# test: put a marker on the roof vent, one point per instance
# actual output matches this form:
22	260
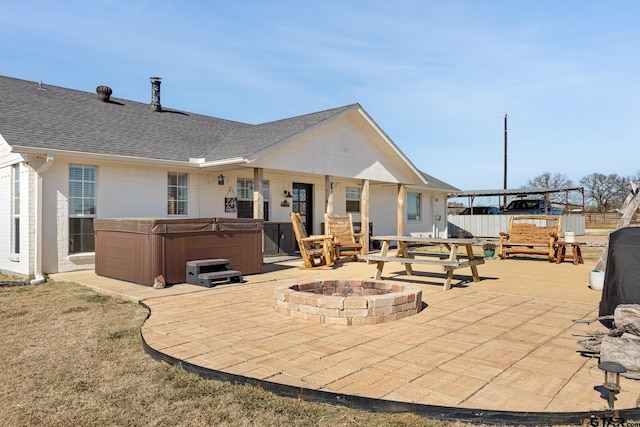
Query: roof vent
104	93
155	94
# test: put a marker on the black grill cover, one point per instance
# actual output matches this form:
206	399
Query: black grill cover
622	273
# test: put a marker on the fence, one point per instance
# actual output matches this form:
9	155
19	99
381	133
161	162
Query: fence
596	217
492	225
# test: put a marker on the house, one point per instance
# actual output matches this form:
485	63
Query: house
67	157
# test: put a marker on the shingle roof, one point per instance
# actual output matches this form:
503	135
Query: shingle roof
55	118
436	184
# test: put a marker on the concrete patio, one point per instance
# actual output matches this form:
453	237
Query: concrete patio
506	343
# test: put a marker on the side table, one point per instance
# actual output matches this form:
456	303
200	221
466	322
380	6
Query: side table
560	249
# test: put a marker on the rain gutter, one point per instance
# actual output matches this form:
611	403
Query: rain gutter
39	277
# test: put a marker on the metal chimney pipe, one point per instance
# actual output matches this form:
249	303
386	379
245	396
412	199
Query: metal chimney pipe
155	94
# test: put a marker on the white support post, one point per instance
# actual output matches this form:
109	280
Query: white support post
328	194
258	198
402	195
364	214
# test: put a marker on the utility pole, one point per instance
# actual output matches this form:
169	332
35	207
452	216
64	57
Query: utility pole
504	200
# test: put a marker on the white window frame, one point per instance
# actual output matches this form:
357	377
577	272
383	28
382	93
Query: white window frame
15	209
177	194
82	194
414	206
352	195
244	188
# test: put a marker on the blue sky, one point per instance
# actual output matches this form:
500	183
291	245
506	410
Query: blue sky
437	76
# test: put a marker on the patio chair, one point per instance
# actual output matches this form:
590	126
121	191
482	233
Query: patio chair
316	250
346	241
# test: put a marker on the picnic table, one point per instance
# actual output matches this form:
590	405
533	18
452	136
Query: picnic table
408	255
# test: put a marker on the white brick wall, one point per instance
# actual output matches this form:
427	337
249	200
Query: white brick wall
5	218
15	263
123	191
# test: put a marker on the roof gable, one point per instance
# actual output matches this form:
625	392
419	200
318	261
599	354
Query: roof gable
346	145
249	141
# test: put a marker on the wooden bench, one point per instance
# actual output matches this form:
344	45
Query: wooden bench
439	255
526	237
443	262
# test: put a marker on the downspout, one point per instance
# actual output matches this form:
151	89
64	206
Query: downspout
39	277
434	216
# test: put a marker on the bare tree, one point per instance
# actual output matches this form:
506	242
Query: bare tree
605	192
547	180
455	207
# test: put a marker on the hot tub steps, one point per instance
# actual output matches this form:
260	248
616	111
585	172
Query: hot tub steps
204	272
230	275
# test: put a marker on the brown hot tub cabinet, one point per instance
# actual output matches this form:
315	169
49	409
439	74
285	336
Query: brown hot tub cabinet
140	249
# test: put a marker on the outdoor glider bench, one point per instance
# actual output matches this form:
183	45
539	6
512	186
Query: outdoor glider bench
531	235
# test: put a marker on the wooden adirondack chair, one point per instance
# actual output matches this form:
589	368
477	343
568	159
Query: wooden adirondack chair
316	250
346	242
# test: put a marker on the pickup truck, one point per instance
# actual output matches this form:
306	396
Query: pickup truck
530	207
481	210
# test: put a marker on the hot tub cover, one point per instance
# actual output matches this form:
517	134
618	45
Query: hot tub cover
154	225
175	225
622	273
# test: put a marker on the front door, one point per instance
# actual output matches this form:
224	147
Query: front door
302	203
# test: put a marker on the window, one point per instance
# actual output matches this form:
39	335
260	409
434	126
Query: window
177	194
245	198
15	209
353	199
82	208
413	206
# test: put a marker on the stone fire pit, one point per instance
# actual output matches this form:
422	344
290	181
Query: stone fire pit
349	301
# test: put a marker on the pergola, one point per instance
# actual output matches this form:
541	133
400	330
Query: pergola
524	192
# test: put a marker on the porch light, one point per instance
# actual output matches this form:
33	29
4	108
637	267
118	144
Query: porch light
287	194
612	371
220	179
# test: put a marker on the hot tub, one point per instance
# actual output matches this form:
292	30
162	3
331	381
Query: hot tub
139	249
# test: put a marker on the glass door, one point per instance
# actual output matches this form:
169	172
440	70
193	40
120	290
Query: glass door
302	204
